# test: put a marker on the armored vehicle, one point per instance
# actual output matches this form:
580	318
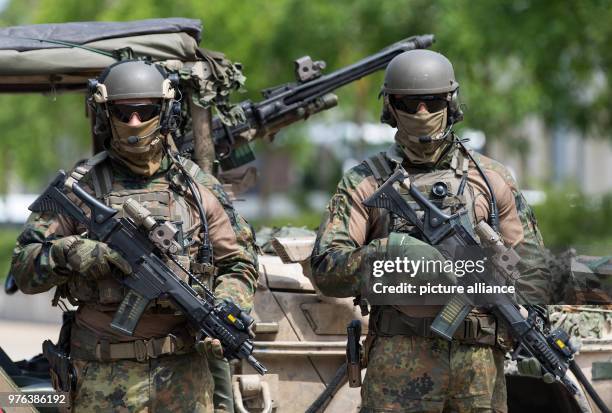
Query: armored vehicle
300	335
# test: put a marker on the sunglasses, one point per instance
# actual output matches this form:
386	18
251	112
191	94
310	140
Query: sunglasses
410	104
144	111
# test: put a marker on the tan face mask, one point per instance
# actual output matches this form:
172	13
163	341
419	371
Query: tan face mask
410	128
144	156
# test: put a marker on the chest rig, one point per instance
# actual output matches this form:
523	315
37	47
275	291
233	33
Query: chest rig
446	188
167	198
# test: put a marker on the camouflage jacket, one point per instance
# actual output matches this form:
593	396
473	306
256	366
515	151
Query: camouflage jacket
230	235
350	232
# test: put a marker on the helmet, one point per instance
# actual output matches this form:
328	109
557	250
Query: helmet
419	72
132	79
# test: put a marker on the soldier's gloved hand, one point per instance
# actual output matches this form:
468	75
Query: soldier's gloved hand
87	257
210	347
404	246
530	366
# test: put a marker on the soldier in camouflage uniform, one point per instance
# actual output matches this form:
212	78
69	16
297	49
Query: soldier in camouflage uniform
156	369
409	368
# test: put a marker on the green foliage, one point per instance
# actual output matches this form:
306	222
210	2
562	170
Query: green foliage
569	219
513	58
7	243
308	219
41	133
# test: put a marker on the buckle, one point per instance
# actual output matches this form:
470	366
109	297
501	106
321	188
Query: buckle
424	327
151	350
173	343
140	350
205	269
104	350
156	347
469	329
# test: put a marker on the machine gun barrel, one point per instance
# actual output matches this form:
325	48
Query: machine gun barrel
327	83
574	368
289	103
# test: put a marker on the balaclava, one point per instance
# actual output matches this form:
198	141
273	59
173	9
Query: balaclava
421	136
144	155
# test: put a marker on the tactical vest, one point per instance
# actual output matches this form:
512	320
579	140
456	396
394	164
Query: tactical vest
166	198
479	327
451	190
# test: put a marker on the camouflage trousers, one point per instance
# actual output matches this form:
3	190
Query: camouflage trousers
418	374
180	383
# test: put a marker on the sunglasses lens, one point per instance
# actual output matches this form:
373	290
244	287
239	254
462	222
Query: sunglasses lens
436	105
410	104
406	105
144	111
148	112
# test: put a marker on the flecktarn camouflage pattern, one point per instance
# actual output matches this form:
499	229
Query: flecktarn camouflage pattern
412	372
418	374
164	380
165	385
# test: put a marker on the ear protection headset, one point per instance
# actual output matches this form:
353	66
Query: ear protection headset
455	114
386	116
169	121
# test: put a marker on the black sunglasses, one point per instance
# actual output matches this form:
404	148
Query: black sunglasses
144	111
410	104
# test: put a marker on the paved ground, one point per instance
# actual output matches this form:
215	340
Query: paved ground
23	339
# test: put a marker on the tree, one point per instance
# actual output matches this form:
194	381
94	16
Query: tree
513	58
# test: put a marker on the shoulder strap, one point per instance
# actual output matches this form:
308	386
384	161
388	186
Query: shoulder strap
191	167
101	175
102	179
494	212
379	165
460	162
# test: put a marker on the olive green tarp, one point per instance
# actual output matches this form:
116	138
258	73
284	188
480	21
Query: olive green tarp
28	65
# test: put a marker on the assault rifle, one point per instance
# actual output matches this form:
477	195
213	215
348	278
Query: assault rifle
448	233
291	102
553	349
140	239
